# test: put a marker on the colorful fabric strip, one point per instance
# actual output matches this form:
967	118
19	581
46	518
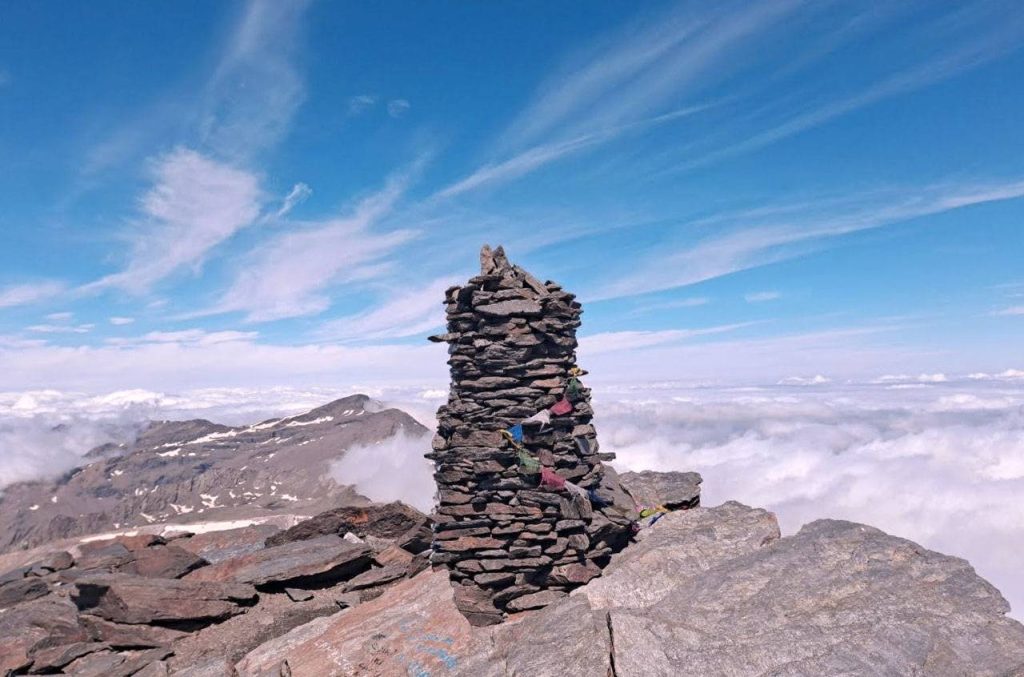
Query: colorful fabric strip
516	432
561	407
584	445
549	480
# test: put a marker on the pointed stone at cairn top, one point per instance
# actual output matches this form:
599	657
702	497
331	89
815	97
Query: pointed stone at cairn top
493	262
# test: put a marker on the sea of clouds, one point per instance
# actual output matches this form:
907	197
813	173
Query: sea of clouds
933	459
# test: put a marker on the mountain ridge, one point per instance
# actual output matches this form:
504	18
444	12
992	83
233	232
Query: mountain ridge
185	471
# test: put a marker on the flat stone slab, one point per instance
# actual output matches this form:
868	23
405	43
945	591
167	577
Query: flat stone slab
313	562
517	308
123	598
413	628
674	490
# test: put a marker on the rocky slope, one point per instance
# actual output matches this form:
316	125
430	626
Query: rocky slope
702	591
187	471
705	592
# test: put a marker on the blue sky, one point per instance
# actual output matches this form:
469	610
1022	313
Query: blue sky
207	194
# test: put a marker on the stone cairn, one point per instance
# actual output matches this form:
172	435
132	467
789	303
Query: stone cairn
525	511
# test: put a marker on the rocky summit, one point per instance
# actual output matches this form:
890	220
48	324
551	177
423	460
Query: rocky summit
351	592
524	511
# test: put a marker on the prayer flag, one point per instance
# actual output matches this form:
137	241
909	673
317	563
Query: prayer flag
542	417
516	432
584	445
528	464
573	388
550	480
597	500
562	406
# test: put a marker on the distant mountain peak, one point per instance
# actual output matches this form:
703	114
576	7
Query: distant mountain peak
186	471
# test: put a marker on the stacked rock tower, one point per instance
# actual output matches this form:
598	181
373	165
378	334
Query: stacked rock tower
525	510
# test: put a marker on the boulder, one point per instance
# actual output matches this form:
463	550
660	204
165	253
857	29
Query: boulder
381	520
306	563
163	561
124	636
674	490
375	577
836	598
22	590
679	545
54	658
51	562
413	628
217	546
36	625
110	664
123	598
567	639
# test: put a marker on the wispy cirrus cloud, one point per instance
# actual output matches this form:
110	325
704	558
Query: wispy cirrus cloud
762	296
299	193
745	244
626	77
200	337
359	104
406	313
398	107
618	341
61	328
194	205
538	156
28	293
288	275
693	51
962	40
255	90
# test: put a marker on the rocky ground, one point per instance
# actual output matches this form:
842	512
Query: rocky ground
192	471
708	591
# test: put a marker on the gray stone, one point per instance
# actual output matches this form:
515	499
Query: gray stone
521	308
674	490
535	600
292	564
567	639
298	595
837	598
122	598
678	546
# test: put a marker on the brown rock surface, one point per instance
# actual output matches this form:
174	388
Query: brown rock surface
217	546
381	520
414	628
35	625
314	562
123	598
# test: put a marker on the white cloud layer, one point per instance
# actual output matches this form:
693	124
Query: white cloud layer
393	470
942	465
